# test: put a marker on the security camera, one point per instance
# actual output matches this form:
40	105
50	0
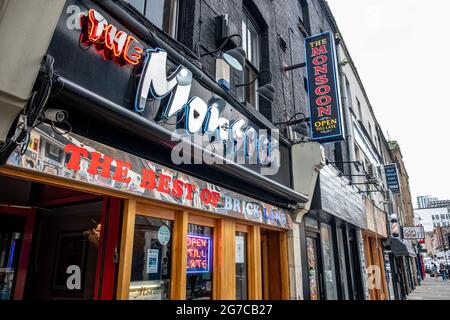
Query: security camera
56	115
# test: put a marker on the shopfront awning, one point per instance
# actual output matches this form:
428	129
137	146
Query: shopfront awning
401	248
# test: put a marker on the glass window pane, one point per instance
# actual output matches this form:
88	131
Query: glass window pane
137	4
329	269
342	263
155	12
241	266
150	269
199	263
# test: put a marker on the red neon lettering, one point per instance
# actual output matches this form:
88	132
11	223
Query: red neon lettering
320	70
75	157
148	179
104	164
116	45
121	173
324	111
323	100
319	50
164	183
177	188
96	24
133	51
115	41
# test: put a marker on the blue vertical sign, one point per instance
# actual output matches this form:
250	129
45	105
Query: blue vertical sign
323	88
391	173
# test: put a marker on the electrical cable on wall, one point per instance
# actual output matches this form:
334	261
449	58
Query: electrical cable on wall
32	115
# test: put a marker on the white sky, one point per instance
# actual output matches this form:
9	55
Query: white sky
401	49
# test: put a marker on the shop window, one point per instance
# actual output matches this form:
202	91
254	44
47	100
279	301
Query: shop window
313	270
343	264
199	277
241	266
329	269
251	42
151	262
162	13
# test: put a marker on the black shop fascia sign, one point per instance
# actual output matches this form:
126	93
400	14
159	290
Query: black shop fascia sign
97	52
323	88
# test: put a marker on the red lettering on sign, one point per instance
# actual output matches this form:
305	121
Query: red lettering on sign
321	90
148	179
121	173
75	157
205	196
320	60
103	162
190	190
324	111
112	44
323	100
164	182
320	70
319	50
177	188
321	80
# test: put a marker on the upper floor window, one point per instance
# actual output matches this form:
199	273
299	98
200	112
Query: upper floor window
251	42
304	15
359	108
162	13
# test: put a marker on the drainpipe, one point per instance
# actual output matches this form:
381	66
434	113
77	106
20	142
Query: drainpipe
346	112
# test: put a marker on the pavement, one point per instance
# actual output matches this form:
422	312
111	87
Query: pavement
431	290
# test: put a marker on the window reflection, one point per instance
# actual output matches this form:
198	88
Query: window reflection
151	261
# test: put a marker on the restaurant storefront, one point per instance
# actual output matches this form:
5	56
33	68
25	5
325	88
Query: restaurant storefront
331	241
98	209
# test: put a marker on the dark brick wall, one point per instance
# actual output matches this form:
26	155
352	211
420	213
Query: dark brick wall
275	19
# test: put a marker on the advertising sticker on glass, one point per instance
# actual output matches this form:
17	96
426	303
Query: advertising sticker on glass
198	254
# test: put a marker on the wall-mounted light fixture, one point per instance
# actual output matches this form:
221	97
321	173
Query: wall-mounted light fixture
267	91
234	57
299	125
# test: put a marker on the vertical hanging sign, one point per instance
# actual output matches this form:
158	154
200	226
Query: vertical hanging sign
391	174
323	88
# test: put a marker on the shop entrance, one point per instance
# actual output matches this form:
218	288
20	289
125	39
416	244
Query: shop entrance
56	243
274	275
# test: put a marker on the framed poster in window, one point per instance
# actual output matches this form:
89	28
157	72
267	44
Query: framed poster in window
71	250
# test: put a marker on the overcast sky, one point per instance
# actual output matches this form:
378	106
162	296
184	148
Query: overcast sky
401	49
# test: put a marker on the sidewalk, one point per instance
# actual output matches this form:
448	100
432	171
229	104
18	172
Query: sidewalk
431	290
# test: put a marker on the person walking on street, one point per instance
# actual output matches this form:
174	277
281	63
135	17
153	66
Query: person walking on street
443	272
434	270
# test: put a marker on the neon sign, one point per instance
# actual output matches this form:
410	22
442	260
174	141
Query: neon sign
198	254
199	117
231	139
110	43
